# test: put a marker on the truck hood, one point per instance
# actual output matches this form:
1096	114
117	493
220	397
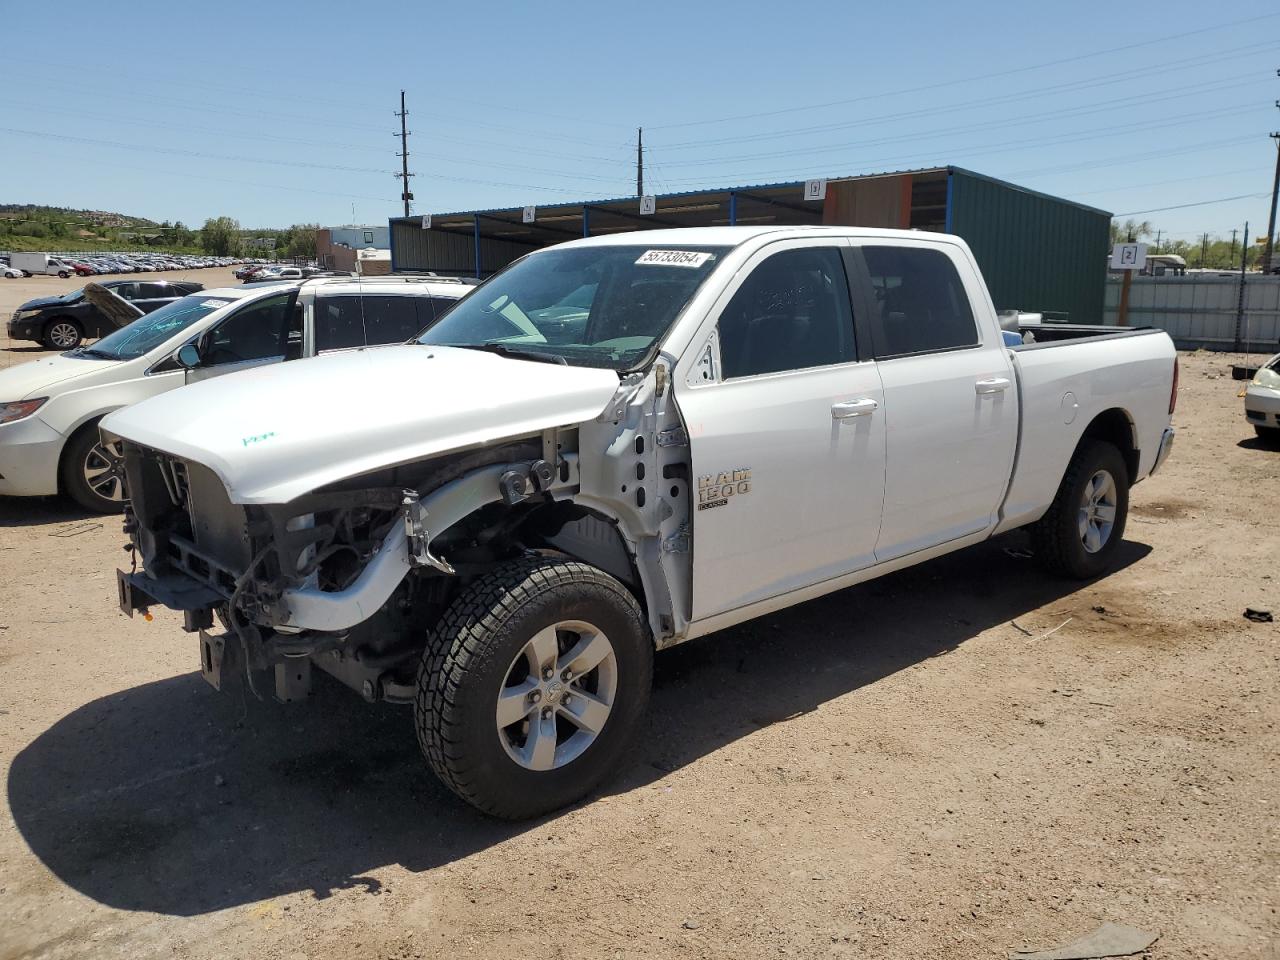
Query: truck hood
37	378
275	433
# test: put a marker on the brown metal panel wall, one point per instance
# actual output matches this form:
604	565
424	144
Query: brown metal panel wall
1036	252
449	251
873	202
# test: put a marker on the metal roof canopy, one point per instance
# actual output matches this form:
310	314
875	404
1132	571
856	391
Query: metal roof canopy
780	203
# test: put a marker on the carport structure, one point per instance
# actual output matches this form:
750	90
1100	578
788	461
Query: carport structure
1037	252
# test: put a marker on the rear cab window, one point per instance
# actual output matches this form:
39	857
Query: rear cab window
918	303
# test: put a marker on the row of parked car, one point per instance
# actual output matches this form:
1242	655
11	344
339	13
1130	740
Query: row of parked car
15	265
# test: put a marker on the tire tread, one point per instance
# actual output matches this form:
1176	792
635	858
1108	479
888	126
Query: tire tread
462	638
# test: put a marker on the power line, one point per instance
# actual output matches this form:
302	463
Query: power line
1199	203
1009	147
1265	48
970	79
1042	116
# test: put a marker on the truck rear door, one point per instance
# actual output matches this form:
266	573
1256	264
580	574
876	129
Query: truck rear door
786	433
949	392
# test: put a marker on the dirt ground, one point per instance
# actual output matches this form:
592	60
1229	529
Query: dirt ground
952	762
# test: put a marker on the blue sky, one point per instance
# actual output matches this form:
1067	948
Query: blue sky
276	114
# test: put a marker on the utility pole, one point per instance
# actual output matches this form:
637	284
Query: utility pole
1204	248
1244	259
1268	251
639	161
1231	258
404	174
1158	232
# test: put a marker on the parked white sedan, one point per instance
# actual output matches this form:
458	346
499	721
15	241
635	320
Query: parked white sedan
1262	400
50	408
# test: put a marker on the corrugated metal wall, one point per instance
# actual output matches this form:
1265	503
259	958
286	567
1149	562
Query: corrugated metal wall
449	251
1037	253
1201	311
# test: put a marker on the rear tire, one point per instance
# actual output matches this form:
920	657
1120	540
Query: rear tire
501	652
1082	530
93	472
62	334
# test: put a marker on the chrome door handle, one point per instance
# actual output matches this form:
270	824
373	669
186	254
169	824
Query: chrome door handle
993	385
864	406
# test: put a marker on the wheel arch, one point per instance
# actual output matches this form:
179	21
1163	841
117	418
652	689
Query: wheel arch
88	423
1116	427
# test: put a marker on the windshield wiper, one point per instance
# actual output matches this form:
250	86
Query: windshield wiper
93	352
512	353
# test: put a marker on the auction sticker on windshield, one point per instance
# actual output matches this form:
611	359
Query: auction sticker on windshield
215	304
674	258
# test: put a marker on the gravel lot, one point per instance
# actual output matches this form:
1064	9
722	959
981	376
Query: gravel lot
955	761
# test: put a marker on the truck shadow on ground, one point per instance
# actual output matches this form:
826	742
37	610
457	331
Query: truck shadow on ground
175	799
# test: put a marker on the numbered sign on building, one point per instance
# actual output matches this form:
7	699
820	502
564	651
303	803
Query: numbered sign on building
426	221
530	214
815	189
648	205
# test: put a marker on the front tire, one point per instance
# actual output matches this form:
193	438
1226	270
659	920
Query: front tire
61	334
93	471
1080	534
533	685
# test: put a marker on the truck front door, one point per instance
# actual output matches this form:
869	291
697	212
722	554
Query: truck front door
786	433
950	396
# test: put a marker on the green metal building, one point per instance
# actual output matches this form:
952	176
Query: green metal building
1037	252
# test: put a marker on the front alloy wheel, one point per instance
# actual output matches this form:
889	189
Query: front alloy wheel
532	685
558	695
93	471
62	335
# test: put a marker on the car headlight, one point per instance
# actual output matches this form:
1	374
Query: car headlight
25	314
1267	377
10	412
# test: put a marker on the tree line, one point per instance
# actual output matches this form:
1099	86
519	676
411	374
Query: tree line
1210	252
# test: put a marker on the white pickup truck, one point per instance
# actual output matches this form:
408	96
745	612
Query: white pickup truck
613	446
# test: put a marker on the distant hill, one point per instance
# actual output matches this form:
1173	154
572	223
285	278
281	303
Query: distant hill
87	218
32	226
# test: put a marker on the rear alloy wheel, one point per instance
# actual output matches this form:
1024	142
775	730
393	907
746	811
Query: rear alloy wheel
533	685
93	472
62	335
1082	530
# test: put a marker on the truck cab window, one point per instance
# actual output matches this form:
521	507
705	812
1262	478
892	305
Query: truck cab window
918	302
791	313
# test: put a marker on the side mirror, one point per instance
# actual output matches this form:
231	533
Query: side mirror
188	356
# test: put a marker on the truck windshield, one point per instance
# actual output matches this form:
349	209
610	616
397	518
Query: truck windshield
148	332
592	306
